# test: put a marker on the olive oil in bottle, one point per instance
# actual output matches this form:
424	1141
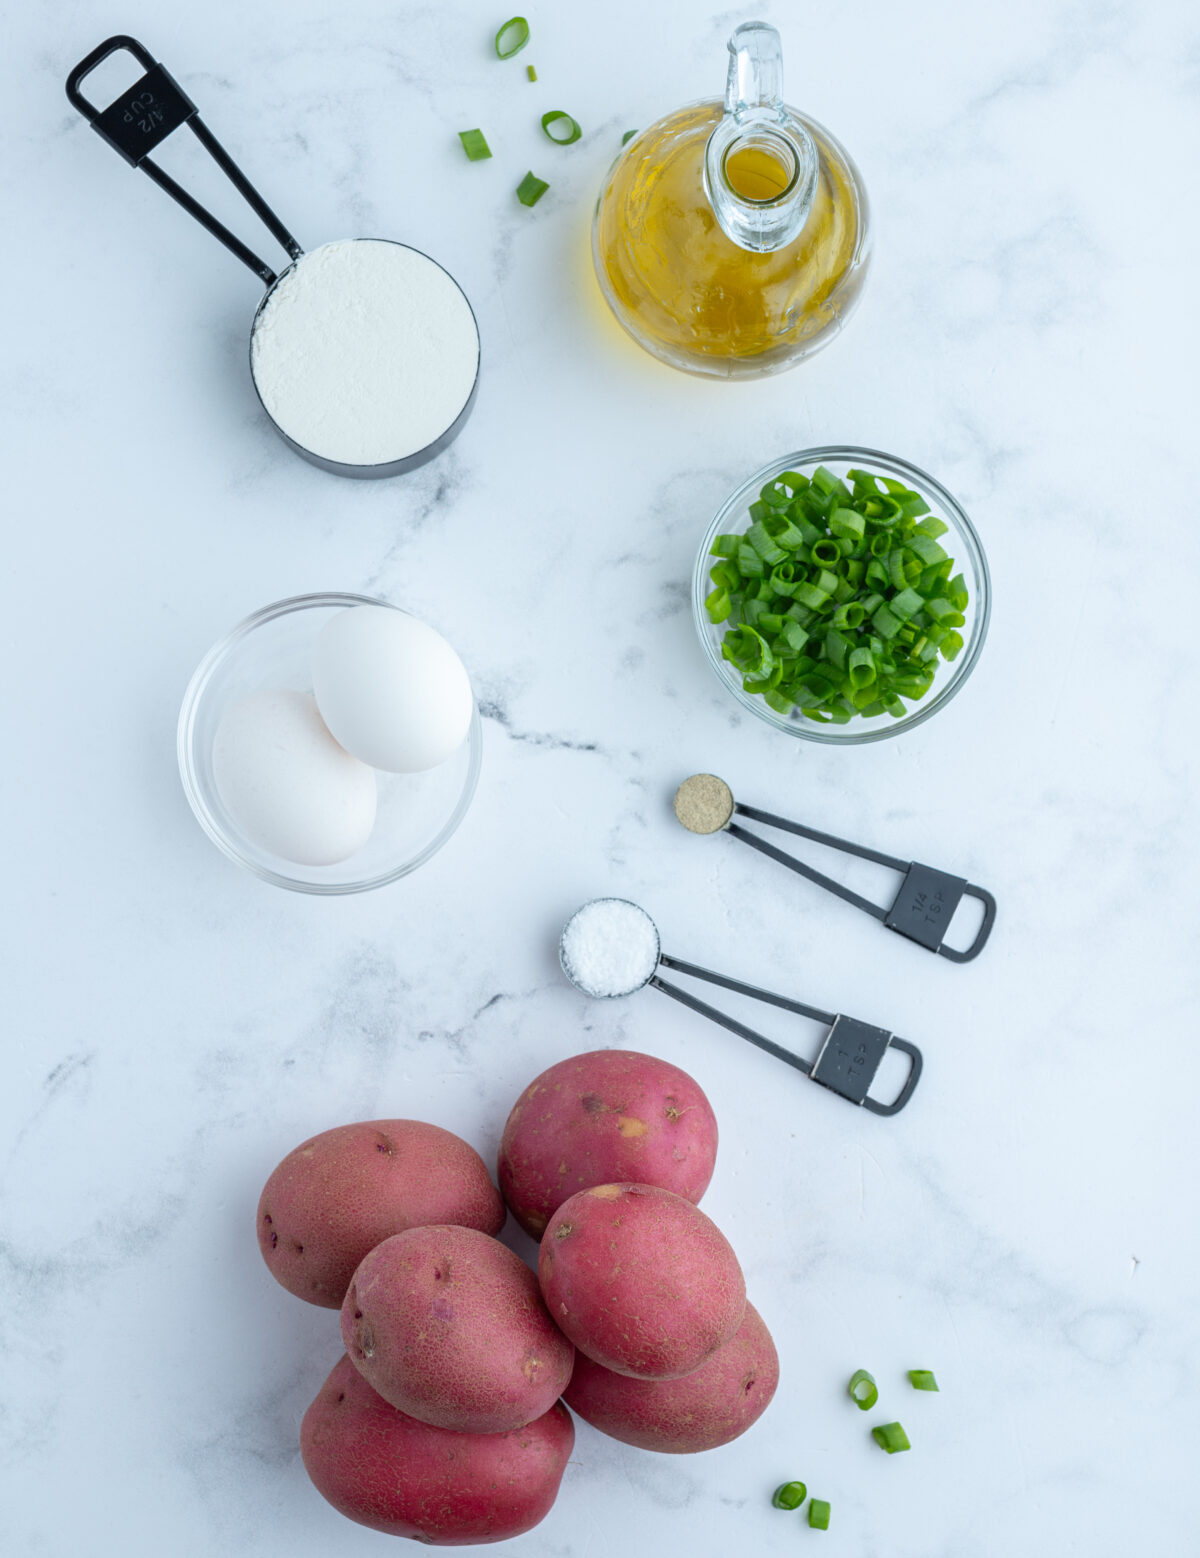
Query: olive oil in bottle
732	239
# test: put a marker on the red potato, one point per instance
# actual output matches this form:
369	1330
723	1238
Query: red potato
449	1326
601	1118
339	1194
640	1280
387	1471
711	1406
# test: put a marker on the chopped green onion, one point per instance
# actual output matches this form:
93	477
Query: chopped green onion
863	1390
531	73
474	143
531	189
825	481
512	37
818	1514
922	1379
845	522
627	137
718	605
554	123
890	1437
927	550
764	544
789	1495
849	589
906	604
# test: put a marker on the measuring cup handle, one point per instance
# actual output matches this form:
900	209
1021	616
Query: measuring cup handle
142	117
98	55
144	114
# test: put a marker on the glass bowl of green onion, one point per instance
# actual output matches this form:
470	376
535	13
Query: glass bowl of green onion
842	595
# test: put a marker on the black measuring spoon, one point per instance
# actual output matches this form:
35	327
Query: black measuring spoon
923	907
611	947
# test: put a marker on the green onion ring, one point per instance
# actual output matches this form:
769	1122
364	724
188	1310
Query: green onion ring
506	45
863	1390
558	116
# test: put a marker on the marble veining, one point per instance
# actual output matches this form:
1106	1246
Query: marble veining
173	1027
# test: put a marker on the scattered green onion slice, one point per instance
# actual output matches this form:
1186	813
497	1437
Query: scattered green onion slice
789	1495
846	585
627	137
474	143
863	1390
531	73
531	189
512	37
818	1514
554	121
922	1379
890	1437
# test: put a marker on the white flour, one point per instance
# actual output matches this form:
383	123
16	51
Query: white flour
365	352
610	947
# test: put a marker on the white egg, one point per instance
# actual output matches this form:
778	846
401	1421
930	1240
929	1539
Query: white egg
391	689
287	784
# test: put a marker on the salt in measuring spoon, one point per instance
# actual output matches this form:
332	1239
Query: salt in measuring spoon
364	352
611	947
923	908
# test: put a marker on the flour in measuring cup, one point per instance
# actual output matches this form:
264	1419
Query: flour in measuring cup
365	352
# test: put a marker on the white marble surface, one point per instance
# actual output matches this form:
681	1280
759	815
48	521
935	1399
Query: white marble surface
172	1026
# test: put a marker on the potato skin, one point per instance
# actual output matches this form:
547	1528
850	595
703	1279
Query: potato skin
713	1405
449	1326
640	1280
597	1119
387	1471
339	1194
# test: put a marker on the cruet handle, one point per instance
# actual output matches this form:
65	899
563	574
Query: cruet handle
754	88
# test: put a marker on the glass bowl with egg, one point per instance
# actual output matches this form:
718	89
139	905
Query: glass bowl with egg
279	794
866	638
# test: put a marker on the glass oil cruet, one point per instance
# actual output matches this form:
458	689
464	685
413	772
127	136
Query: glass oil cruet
733	239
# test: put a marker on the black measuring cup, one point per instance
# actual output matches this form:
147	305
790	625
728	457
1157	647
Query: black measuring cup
136	123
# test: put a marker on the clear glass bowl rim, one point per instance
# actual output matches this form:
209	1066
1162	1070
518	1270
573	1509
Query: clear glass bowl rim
185	752
892	465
